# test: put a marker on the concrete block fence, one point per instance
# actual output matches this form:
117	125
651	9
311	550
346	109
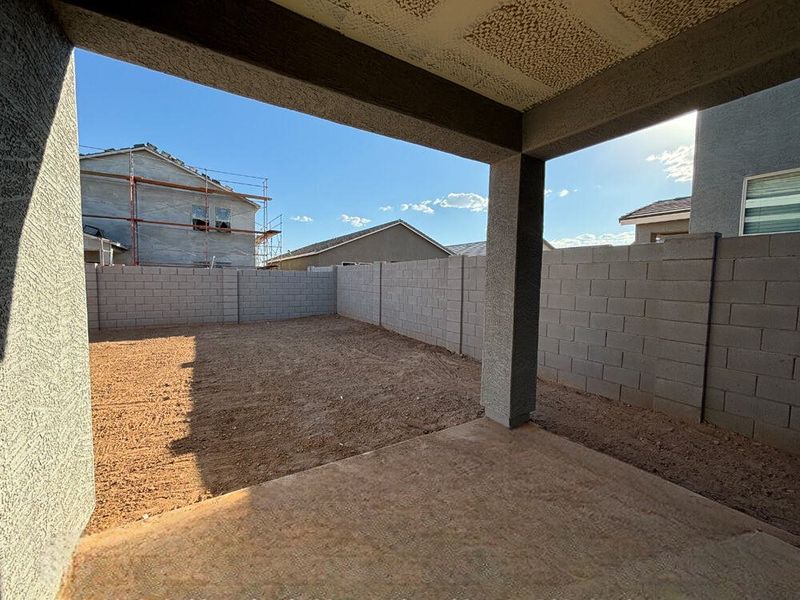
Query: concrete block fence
122	296
439	301
358	291
753	378
630	323
698	327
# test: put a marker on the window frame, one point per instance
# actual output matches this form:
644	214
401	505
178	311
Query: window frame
217	227
743	207
195	226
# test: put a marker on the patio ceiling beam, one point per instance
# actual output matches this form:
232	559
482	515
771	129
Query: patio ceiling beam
748	48
264	51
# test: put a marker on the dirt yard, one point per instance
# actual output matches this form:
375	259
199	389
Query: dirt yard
185	413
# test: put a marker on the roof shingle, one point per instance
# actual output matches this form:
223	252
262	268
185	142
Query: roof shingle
661	207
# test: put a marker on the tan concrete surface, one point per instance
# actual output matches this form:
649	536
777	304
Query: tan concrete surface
475	511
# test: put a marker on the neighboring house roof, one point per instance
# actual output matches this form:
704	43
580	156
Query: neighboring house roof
479	248
469	249
166	156
325	245
673	209
90	232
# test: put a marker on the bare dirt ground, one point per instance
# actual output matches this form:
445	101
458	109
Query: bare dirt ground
185	413
727	467
181	414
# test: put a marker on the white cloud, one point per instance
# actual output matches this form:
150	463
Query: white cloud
386	208
678	163
302	219
468	200
355	221
591	239
423	207
548	191
563	193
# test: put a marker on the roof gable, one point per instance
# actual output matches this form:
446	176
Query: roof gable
325	245
189	175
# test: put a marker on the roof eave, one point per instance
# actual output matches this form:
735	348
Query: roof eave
655	218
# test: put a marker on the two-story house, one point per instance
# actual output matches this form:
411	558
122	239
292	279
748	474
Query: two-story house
746	172
174	215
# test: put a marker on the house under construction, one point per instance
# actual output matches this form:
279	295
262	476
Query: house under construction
143	206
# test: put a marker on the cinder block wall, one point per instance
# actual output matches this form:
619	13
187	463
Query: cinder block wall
358	289
474	299
128	296
271	295
754	353
629	322
438	301
122	296
698	327
416	299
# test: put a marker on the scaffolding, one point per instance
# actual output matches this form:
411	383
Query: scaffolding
265	237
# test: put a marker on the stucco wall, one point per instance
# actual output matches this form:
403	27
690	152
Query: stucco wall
645	233
392	245
158	244
755	135
46	465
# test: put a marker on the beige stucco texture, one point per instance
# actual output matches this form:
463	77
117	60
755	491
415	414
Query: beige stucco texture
518	53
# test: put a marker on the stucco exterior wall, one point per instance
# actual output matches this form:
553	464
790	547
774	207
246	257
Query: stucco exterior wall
755	135
46	463
645	233
163	245
394	244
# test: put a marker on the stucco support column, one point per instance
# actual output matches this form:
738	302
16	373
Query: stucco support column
513	277
46	463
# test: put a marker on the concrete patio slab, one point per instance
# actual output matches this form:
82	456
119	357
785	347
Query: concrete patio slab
474	511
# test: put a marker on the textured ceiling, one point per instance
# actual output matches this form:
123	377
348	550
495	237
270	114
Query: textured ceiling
518	52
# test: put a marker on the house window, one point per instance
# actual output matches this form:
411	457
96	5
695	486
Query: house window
222	217
199	217
771	203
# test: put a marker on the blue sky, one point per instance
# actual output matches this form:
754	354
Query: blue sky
329	179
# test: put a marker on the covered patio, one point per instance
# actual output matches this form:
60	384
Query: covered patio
473	511
478	510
